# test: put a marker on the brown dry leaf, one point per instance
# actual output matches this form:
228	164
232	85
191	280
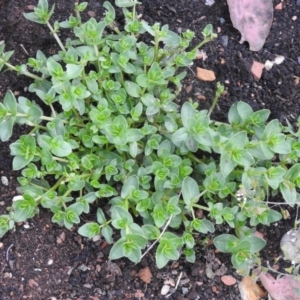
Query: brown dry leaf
284	288
257	68
61	238
205	75
91	13
139	294
114	268
250	290
201	55
32	283
145	275
228	280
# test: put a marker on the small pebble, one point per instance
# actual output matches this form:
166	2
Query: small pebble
4	180
298	58
222	20
50	262
298	3
224	40
209	2
165	290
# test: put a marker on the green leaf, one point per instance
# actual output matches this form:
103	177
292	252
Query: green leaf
73	71
107	233
100	216
274	176
126	3
203	226
288	191
24	151
188	114
256	243
10	103
40	14
172	39
59	147
226	242
227	164
89	230
131	184
119	213
132	89
244	110
6	129
190	191
24	208
116	251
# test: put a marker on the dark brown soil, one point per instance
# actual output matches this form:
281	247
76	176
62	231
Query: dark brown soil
41	260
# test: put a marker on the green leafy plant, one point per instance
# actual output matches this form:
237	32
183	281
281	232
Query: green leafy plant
114	135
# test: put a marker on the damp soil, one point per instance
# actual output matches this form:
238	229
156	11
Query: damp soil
41	260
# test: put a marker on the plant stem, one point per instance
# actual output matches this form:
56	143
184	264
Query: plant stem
194	158
56	37
97	54
26	73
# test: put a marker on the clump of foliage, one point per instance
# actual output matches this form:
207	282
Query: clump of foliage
113	134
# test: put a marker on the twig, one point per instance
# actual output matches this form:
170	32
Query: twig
22	46
177	283
178	280
7	258
164	229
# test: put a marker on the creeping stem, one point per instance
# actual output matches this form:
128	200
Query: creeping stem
56	37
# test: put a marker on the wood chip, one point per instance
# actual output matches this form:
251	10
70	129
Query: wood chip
205	75
250	290
257	69
145	275
32	283
228	280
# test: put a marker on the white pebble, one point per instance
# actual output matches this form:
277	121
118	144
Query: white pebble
50	262
4	180
268	65
279	59
165	289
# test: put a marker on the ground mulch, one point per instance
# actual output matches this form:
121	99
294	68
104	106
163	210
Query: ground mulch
41	260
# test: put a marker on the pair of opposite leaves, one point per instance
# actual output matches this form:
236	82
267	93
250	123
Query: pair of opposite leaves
253	19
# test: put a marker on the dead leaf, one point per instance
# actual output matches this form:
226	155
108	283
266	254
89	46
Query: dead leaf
228	280
91	13
114	268
201	55
205	75
139	294
250	290
253	19
257	69
32	283
279	6
283	288
145	275
188	88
